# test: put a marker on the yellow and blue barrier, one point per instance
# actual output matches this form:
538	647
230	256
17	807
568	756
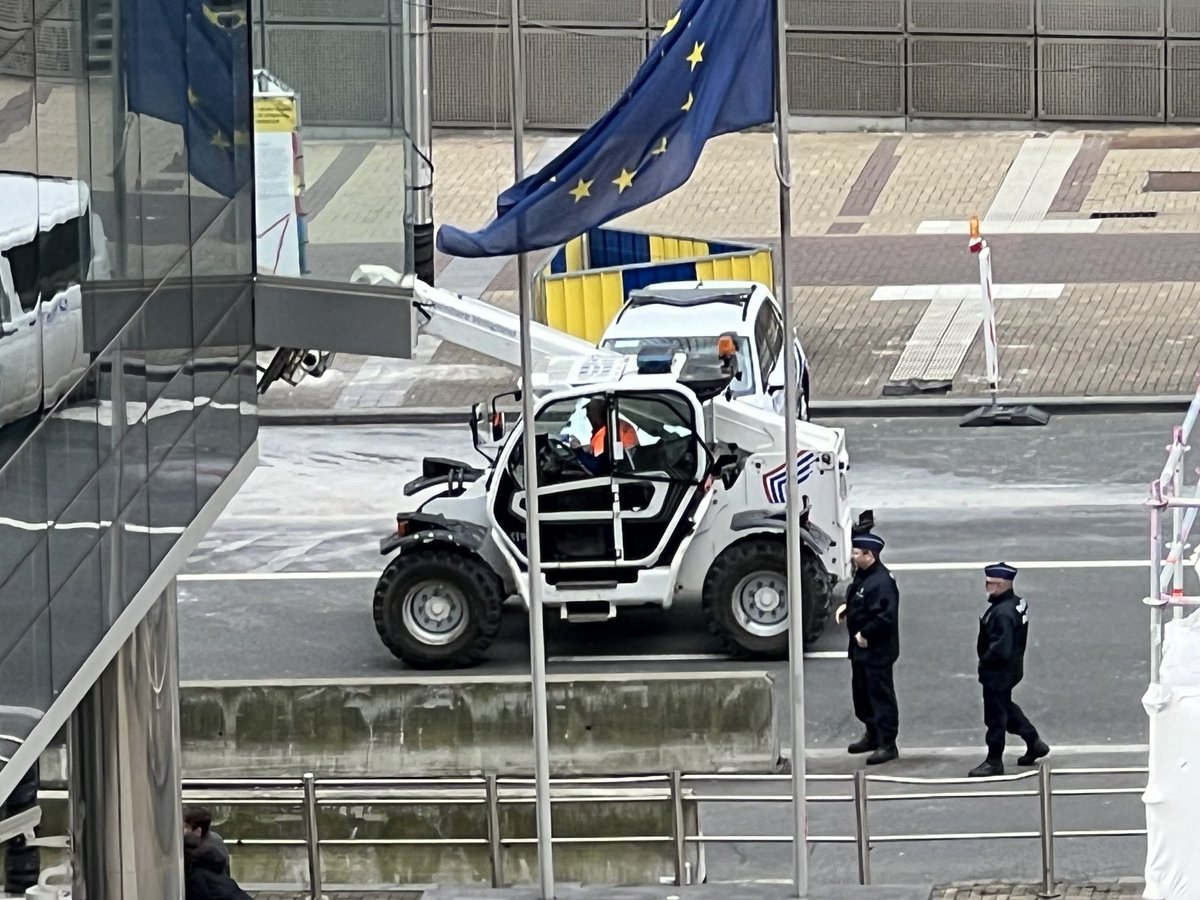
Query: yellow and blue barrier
590	277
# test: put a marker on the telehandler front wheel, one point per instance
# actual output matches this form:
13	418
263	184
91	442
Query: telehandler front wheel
437	608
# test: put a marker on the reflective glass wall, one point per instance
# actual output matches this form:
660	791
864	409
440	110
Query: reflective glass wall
127	377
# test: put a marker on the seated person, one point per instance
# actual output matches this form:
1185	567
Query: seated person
595	457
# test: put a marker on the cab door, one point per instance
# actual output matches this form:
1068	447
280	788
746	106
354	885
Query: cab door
576	507
659	480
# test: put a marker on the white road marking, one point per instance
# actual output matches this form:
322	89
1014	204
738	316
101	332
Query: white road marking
947	328
677	657
1047	226
895	567
971	292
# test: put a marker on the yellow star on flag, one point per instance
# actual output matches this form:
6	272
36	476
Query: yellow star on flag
697	55
241	137
624	180
581	190
219	140
660	149
193	100
687	105
672	22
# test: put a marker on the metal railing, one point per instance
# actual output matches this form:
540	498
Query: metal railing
491	792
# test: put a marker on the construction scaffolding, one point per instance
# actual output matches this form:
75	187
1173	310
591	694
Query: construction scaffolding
1172	701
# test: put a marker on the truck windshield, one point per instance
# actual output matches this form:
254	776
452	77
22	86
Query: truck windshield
697	348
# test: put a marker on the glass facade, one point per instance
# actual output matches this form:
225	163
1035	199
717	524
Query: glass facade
127	368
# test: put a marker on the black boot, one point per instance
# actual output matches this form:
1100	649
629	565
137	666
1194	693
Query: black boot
885	753
1034	752
988	768
864	744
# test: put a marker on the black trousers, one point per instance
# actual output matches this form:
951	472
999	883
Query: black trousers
1001	715
875	701
22	863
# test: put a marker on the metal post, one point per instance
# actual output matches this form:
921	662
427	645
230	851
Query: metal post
418	127
1177	523
862	828
533	551
791	408
120	138
1046	799
1156	616
312	836
495	846
678	828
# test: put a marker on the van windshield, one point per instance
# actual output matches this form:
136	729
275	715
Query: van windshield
702	349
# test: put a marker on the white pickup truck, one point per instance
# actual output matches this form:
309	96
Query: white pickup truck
693	314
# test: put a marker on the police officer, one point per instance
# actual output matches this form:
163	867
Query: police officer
871	613
1003	631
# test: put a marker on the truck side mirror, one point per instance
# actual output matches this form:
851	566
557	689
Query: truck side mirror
498	426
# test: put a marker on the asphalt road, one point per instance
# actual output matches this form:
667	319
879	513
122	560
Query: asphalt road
281	587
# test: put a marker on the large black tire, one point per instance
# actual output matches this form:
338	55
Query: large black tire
471	591
761	563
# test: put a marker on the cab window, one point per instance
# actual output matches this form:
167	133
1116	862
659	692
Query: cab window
667	447
768	338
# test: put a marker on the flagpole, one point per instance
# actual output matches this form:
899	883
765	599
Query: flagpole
791	405
533	552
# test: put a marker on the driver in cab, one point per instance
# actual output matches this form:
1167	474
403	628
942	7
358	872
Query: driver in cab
595	456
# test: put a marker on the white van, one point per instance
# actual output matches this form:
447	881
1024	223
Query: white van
47	228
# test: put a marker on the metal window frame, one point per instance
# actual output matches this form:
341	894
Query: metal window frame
1032	75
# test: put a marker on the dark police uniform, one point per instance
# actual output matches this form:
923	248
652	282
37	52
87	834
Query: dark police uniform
873	610
1003	634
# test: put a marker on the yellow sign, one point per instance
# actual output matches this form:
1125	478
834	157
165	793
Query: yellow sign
274	114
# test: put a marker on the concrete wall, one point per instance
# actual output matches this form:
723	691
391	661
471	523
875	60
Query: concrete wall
599	725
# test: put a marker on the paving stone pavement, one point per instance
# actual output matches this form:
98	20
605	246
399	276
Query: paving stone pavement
1122	324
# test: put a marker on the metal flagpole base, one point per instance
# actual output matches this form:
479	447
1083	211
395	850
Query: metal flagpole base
1000	414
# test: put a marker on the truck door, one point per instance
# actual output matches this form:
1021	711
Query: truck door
658	480
575	490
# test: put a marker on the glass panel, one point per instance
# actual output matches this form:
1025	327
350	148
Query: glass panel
78	618
28	685
24	596
22	504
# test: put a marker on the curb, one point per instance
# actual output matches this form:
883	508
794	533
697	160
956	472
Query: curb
822	409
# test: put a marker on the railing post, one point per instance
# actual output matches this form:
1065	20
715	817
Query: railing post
495	846
862	829
1046	800
679	828
312	837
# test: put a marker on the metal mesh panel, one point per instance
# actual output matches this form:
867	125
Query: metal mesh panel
1114	17
971	16
306	58
972	77
472	77
64	10
573	77
16	53
1101	80
846	15
658	11
326	10
464	12
1183	81
601	13
15	14
256	47
846	73
1183	18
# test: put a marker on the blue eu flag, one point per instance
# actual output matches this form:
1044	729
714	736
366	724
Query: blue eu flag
712	72
188	62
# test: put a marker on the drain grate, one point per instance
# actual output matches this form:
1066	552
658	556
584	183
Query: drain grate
1130	214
